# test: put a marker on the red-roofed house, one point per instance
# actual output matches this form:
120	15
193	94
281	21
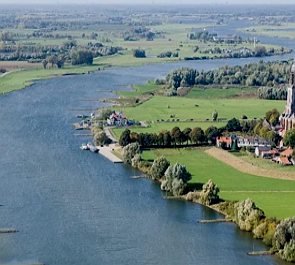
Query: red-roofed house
224	141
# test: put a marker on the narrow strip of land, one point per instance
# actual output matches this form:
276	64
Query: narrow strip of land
246	167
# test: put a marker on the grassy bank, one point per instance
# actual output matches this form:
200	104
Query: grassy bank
18	79
271	195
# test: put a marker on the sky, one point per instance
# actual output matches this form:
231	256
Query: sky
147	2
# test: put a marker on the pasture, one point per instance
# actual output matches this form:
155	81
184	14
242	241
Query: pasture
274	196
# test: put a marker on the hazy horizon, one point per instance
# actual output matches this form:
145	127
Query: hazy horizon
149	2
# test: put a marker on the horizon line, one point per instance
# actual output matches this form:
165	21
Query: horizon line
145	4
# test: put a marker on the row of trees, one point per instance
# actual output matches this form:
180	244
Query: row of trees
271	74
165	138
273	93
197	135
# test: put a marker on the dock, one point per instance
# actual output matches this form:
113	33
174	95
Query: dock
259	253
7	230
106	151
213	221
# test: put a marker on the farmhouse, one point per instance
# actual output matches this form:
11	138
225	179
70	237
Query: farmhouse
117	119
287	119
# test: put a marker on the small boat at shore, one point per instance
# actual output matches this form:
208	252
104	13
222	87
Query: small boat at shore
84	147
89	147
92	148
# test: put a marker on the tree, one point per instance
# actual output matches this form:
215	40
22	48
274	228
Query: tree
289	138
176	135
284	239
233	125
79	56
212	133
214	115
45	63
138	53
52	60
129	152
60	61
197	135
101	138
176	178
272	117
159	167
247	215
186	135
125	138
209	193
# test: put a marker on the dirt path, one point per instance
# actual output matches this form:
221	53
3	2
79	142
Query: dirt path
246	167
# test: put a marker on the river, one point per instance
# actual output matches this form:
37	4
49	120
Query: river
77	208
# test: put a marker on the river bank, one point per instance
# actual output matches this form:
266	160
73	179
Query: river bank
245	214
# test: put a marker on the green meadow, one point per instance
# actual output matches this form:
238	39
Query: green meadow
22	78
274	196
164	113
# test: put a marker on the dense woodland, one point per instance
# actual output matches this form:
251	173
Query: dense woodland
273	75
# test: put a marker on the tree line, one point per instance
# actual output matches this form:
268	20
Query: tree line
271	74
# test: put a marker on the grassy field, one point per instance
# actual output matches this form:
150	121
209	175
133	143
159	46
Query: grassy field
198	106
274	196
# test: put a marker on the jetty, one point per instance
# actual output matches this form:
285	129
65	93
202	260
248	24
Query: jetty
7	230
213	221
107	152
259	253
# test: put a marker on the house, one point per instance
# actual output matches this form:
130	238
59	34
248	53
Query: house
284	161
252	141
224	141
285	158
117	119
287	153
269	154
261	150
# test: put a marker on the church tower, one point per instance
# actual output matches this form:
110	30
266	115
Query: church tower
287	119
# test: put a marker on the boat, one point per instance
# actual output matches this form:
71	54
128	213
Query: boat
92	148
84	147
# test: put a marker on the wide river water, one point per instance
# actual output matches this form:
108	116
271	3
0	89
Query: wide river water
77	208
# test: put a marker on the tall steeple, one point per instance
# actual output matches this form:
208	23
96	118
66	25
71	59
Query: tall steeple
290	107
287	119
